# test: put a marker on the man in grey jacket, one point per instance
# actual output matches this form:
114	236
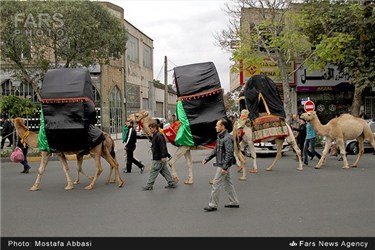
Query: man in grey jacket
224	159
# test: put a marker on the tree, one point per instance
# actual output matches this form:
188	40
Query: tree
14	106
265	29
343	33
230	101
38	35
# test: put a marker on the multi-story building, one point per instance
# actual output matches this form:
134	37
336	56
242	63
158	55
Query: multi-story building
122	86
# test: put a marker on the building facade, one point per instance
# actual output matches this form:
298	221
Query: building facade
331	90
121	87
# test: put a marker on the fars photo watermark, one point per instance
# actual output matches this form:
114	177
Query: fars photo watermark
39	24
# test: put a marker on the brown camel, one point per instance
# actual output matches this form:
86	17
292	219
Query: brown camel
143	119
104	149
247	139
344	127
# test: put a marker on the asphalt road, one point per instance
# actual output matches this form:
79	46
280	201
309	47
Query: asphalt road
330	202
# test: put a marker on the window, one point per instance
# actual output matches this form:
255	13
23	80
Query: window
132	46
147	56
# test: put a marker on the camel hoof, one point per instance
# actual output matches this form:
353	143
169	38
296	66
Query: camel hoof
120	184
269	169
89	187
243	178
300	168
354	166
345	167
34	188
317	167
68	187
254	171
188	182
176	179
76	182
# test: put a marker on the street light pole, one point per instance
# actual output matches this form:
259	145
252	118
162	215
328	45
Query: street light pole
165	87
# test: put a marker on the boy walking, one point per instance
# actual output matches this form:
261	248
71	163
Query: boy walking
159	159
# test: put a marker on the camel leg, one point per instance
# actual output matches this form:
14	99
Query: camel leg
65	166
324	153
180	152
114	166
241	160
189	163
80	169
341	146
279	144
298	153
360	153
42	167
254	169
98	171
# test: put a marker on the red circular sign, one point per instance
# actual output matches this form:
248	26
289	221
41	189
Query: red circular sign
309	106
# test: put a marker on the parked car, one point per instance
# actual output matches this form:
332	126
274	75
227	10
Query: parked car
264	148
351	146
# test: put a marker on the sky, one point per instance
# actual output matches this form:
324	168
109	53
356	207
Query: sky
183	31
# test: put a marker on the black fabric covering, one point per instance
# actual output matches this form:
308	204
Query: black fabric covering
196	78
69	126
67	83
204	111
203	114
262	84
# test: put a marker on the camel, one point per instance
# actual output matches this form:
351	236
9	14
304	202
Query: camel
344	127
105	149
247	139
143	119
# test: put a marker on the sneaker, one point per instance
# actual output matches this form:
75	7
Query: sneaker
145	188
170	186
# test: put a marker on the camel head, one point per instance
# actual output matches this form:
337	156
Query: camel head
19	125
136	117
309	116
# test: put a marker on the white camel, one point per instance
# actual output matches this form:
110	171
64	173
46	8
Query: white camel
344	127
143	119
247	139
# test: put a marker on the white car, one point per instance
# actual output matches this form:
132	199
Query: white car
266	148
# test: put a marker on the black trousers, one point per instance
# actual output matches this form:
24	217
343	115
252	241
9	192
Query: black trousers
4	137
131	160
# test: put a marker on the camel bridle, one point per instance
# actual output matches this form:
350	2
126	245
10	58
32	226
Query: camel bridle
25	135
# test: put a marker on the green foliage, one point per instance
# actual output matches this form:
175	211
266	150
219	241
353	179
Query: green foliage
14	106
38	35
344	35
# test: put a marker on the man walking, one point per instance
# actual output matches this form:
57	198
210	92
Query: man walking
159	159
224	159
130	145
6	132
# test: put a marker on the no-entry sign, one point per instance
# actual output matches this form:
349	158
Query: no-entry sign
309	106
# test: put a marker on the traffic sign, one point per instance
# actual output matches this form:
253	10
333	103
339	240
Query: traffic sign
309	106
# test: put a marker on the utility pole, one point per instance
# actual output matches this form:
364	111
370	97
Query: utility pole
165	87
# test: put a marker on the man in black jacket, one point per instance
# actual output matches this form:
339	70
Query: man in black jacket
224	159
130	145
6	132
159	159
